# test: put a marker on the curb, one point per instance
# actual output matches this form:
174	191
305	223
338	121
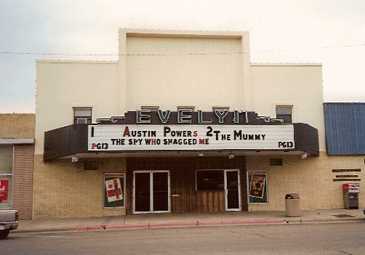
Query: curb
191	224
326	221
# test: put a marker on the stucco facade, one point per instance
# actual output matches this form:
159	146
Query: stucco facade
170	69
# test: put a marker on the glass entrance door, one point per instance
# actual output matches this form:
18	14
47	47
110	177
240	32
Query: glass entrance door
142	192
151	191
232	190
160	191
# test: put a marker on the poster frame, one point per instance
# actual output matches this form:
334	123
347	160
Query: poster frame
258	172
117	175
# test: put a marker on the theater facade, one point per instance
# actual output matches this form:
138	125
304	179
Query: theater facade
181	122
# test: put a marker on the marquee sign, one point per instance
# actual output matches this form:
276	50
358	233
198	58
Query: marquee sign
188	116
144	137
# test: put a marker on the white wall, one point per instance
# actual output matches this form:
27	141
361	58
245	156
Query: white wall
297	85
201	72
63	85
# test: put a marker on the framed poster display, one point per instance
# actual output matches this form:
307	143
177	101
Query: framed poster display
114	190
257	187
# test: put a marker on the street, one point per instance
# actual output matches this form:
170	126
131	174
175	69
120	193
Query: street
273	239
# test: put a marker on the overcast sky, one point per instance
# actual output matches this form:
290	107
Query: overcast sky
331	32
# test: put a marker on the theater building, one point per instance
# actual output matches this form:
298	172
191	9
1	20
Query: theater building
181	122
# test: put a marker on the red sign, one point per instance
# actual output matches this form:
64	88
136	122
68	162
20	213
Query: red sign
351	187
4	190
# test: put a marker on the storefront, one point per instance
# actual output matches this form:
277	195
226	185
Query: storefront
175	162
181	122
16	163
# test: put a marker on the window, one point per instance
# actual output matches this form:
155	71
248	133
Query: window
284	112
6	165
82	115
257	187
209	180
114	190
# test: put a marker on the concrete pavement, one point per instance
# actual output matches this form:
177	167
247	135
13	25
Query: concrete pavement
158	221
293	239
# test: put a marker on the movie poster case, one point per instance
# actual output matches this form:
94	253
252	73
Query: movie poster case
114	190
257	187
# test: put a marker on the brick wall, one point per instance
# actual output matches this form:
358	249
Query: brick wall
17	125
23	180
312	178
63	189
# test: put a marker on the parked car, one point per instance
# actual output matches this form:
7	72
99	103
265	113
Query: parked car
8	221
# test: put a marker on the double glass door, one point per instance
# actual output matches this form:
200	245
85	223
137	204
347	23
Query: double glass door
151	191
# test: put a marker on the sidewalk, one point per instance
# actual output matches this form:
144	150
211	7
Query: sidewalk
158	221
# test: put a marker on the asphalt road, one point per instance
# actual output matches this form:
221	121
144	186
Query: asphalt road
275	239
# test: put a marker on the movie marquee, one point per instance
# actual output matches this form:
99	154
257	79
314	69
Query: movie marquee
187	135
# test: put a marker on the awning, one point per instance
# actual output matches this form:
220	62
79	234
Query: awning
73	140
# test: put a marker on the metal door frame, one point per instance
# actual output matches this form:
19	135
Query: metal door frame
151	191
226	191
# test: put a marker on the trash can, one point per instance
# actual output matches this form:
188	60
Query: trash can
292	205
351	195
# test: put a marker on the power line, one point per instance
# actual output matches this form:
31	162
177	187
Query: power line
116	55
62	54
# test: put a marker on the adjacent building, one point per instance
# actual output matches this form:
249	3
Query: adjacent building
181	122
16	162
